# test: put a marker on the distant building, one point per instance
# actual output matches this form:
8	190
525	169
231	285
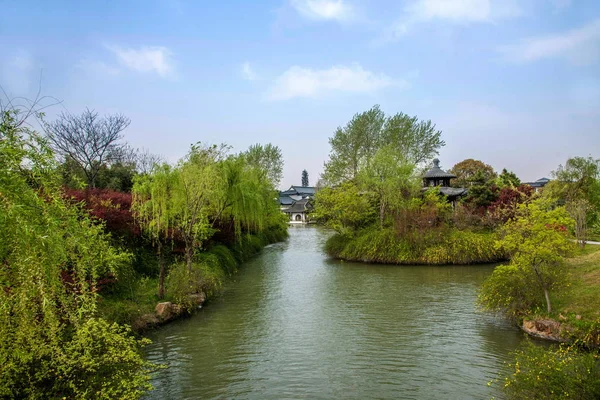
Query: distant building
437	177
538	185
296	202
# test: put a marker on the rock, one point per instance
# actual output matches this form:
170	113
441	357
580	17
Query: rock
144	322
578	317
166	311
543	328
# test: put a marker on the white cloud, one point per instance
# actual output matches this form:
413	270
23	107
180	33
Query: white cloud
580	46
323	9
452	11
248	73
306	82
145	59
16	73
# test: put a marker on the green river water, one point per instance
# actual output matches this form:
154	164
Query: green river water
294	324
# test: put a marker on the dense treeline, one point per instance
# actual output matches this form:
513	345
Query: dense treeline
93	234
53	342
373	197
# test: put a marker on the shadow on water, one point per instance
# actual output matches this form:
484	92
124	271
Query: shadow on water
295	324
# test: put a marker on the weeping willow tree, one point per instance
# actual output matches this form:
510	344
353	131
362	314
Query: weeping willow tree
247	196
206	190
197	196
51	342
155	211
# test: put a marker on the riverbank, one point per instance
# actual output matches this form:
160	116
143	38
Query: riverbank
576	314
446	247
136	302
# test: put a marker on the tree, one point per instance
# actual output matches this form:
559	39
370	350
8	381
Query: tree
198	196
577	185
482	192
305	178
88	140
470	172
154	209
51	342
267	158
416	141
354	146
344	208
392	178
536	241
508	179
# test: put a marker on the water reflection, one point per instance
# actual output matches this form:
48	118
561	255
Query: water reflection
295	324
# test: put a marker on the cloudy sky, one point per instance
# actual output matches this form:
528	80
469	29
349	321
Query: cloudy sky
515	83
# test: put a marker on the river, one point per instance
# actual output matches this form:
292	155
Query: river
294	324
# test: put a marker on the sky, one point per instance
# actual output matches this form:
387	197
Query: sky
514	83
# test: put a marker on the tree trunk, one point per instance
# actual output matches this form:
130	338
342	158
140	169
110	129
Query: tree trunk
189	252
548	305
161	276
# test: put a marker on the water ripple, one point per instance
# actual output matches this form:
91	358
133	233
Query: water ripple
295	325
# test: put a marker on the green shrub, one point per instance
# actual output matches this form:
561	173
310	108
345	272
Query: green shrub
508	291
556	373
100	361
436	247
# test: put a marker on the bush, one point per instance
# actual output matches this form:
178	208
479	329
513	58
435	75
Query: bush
509	291
434	246
555	373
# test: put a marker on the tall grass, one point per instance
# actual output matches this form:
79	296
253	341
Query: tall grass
437	248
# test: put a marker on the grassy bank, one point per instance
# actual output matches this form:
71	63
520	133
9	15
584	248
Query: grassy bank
577	307
449	246
134	297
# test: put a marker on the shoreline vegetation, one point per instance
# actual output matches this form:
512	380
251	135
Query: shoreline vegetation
93	234
97	238
138	305
385	247
384	208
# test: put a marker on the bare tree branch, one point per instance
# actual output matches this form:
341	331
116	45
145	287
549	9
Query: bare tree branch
89	140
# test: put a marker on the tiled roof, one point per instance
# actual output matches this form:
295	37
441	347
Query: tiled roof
304	189
299	206
286	200
437	172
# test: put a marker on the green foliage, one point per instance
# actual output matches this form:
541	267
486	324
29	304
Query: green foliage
555	373
508	179
87	366
344	208
354	146
536	241
577	185
391	179
482	191
53	257
384	246
305	178
268	159
471	172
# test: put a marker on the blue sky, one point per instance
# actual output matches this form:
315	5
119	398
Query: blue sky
514	83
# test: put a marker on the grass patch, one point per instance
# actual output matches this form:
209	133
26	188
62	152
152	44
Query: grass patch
579	304
436	248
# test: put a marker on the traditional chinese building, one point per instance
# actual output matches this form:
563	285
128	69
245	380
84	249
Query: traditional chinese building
437	177
296	202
